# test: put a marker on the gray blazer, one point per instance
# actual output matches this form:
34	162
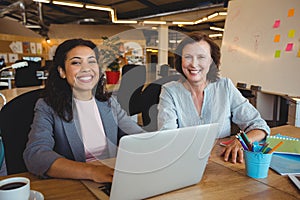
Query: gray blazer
51	138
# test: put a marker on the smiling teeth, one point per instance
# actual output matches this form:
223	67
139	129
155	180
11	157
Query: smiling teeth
85	78
194	71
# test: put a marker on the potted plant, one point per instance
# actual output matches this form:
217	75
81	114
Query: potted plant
109	53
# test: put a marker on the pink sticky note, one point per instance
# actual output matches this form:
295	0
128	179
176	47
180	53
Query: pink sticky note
276	24
289	47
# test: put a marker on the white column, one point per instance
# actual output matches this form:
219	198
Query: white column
163	46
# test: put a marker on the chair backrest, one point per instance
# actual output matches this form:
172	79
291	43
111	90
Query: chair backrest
26	76
1	153
241	85
164	70
131	85
15	120
150	99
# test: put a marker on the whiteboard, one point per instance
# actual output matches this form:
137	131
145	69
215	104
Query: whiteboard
261	44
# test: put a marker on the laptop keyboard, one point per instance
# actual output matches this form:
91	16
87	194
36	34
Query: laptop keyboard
106	187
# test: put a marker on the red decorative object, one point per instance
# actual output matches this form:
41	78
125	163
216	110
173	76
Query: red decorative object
112	77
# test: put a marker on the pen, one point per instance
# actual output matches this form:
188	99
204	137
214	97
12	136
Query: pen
265	148
246	140
242	142
276	147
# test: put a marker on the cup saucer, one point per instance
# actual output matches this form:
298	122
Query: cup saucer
35	195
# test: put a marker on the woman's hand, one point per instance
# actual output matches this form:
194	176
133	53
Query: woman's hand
233	151
64	168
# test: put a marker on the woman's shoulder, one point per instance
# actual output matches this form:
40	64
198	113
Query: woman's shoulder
41	103
223	82
173	85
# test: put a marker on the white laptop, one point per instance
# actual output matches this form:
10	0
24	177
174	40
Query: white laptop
153	163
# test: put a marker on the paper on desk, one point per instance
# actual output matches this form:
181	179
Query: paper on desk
285	164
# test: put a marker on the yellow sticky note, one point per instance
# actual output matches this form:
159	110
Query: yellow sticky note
277	38
291	33
291	12
298	55
277	54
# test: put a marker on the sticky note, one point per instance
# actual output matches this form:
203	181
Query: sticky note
291	12
277	38
289	47
298	55
276	24
277	54
291	33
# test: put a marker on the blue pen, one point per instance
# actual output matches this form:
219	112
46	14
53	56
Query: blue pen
242	142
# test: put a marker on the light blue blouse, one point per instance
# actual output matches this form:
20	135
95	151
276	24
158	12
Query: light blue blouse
222	103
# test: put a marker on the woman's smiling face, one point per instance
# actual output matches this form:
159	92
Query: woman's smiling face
196	60
81	70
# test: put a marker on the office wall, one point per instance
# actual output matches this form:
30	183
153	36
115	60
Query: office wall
261	44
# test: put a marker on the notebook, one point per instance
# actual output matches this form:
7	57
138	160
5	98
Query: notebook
286	159
290	145
153	163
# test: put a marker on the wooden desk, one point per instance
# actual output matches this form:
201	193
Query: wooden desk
221	180
12	93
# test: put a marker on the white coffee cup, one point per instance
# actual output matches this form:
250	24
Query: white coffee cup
17	188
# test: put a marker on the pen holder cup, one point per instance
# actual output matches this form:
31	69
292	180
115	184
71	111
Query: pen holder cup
257	164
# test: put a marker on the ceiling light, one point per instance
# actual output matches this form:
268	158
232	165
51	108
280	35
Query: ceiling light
198	21
125	22
223	13
42	1
215	35
33	26
68	3
212	15
48	40
173	41
88	20
183	23
154	22
216	28
103	8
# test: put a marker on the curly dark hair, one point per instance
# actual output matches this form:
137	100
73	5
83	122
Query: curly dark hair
213	73
58	93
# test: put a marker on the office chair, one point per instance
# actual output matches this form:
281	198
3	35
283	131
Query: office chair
1	152
131	85
150	99
26	76
15	120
